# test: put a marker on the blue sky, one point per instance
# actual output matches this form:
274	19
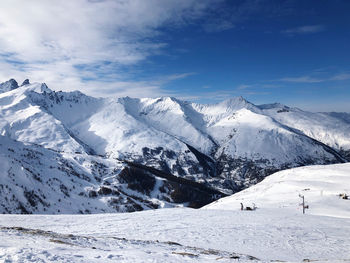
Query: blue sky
293	52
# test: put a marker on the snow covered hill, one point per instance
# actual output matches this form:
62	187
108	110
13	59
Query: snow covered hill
321	186
166	151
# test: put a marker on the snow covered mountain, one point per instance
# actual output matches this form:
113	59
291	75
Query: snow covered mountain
38	180
153	152
331	129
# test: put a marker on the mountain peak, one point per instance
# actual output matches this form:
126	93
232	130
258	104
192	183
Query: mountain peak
45	88
8	85
25	82
237	103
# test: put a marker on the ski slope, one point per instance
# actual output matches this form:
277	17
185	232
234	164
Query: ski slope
319	184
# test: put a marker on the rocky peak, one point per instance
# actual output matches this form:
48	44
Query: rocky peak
25	82
8	85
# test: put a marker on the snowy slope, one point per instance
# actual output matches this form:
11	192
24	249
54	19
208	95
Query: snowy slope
176	235
254	136
319	184
21	119
37	180
331	129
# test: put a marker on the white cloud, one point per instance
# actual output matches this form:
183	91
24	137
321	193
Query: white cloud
139	89
244	86
311	79
309	29
302	79
65	42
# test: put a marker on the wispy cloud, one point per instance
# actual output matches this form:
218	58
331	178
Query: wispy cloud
80	43
212	96
302	79
316	79
230	14
179	76
121	88
308	29
221	94
244	86
341	76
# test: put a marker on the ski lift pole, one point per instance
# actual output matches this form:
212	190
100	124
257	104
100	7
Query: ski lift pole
303	204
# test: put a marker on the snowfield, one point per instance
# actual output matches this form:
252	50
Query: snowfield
175	235
220	232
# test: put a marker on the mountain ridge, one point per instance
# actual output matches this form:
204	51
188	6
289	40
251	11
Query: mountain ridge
228	146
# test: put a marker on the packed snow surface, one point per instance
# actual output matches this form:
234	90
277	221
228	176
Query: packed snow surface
176	235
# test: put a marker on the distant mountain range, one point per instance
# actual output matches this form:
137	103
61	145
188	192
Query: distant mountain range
65	152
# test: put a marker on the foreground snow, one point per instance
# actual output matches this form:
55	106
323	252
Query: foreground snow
320	184
175	235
